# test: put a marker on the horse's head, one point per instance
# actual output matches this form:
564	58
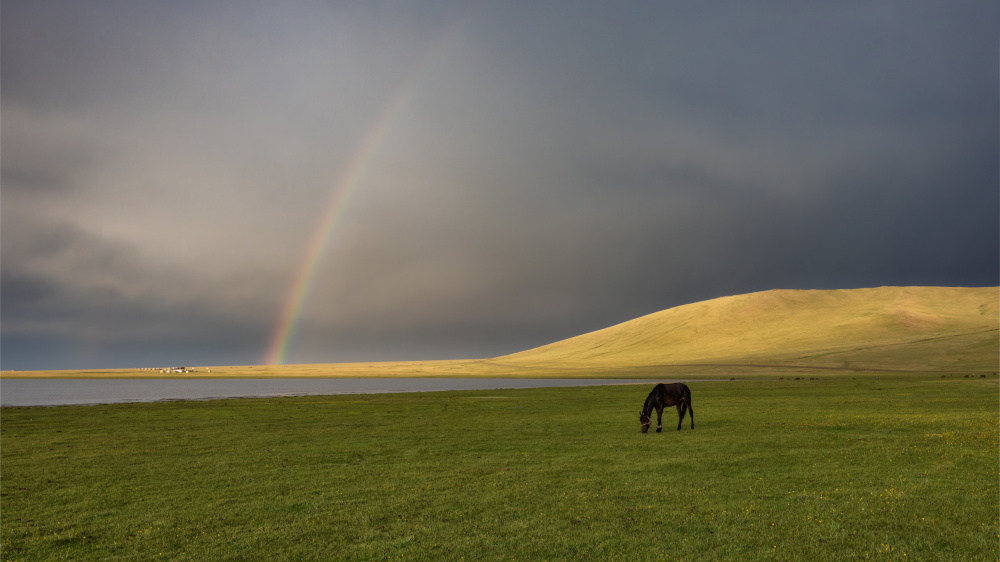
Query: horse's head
644	422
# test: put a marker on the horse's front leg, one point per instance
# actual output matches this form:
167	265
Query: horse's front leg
659	419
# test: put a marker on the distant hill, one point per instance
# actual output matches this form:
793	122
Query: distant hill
933	329
891	328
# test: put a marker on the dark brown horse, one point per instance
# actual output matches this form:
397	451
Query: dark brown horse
662	396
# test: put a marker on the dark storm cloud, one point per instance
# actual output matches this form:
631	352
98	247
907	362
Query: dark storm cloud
554	169
65	289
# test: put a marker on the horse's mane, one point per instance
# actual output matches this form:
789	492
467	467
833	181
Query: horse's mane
647	408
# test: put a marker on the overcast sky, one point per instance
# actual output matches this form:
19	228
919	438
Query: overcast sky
549	168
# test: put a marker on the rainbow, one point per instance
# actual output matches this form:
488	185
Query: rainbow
284	330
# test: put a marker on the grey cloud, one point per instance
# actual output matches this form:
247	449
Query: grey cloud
553	170
58	280
32	179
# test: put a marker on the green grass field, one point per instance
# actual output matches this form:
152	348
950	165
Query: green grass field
900	467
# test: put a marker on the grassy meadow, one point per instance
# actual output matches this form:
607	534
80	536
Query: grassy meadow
894	467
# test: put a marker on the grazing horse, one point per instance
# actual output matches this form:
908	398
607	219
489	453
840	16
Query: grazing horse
664	395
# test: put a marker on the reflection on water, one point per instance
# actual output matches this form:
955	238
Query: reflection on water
60	392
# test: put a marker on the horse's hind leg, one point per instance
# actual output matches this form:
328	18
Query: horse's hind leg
681	409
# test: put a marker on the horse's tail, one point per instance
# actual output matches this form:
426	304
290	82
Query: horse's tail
686	400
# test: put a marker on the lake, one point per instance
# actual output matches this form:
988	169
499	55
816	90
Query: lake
62	392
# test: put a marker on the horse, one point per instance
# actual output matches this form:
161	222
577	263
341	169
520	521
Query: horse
664	395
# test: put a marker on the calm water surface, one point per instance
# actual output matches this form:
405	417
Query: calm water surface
61	392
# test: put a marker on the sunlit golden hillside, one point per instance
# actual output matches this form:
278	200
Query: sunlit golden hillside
897	328
936	329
